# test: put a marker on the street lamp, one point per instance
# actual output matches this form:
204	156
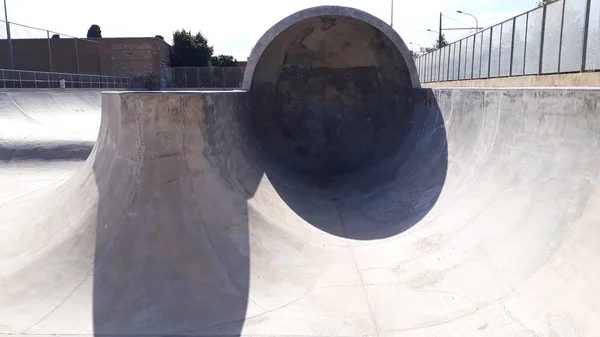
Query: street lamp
418	45
473	16
392	21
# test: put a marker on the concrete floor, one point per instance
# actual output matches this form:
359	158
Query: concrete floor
478	218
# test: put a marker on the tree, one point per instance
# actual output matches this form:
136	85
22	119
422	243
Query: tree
439	44
190	50
223	61
544	2
94	32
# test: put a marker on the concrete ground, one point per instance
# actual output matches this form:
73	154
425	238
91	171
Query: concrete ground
404	212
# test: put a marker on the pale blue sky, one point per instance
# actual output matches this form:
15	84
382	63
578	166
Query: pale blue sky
233	26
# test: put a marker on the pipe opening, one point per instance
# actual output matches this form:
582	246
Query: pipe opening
330	97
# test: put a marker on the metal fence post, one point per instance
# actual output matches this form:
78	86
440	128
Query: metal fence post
49	50
562	26
490	53
459	57
20	81
198	77
439	72
473	57
76	55
8	36
525	45
480	54
34	80
543	30
586	27
3	79
500	50
512	47
448	67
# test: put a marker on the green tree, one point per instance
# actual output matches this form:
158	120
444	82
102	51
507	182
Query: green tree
190	50
544	2
437	45
223	61
441	43
94	32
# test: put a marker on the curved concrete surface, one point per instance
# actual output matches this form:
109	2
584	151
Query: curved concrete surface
44	137
330	91
481	222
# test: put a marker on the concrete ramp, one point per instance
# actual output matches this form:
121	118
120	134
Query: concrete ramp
44	138
319	202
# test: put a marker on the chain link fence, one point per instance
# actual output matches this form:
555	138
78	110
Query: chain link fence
20	79
34	49
205	77
560	37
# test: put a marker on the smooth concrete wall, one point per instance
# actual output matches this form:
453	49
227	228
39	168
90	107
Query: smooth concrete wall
559	80
331	92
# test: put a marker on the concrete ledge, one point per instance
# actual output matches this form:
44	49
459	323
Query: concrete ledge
560	80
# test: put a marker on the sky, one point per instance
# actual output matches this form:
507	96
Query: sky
232	27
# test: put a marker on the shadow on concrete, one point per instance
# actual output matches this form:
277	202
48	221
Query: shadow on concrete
386	198
172	255
172	239
54	150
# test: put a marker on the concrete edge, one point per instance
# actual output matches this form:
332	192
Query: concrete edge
309	13
573	80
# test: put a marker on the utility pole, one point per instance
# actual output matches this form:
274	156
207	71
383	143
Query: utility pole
10	50
439	44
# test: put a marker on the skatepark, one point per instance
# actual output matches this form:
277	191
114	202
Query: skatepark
331	195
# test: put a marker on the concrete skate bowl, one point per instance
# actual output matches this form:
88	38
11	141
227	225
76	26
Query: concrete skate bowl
339	127
185	221
207	208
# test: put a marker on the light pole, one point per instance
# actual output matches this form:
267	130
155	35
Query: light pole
418	45
473	16
392	13
10	51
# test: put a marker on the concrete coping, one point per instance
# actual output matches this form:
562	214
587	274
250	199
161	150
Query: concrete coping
309	13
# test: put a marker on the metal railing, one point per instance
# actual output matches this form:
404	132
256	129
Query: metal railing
18	79
560	37
205	77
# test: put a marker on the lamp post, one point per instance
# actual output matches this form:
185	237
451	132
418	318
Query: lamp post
392	14
418	45
473	16
10	51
